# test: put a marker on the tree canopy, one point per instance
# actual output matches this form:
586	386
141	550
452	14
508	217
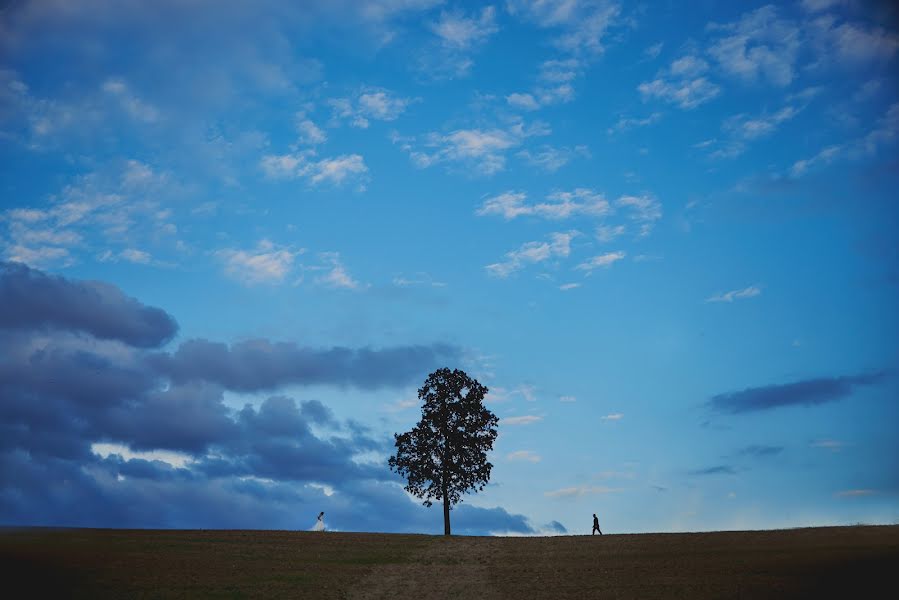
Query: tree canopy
445	455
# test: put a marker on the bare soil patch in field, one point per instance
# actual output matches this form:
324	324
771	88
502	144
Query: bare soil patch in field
800	563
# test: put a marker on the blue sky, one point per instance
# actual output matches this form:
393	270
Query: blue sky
238	237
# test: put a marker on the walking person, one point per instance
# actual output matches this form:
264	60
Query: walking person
596	526
319	522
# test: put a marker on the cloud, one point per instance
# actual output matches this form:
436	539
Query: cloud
131	104
609	233
807	392
583	23
644	211
459	36
551	159
523	455
882	134
559	246
117	206
522	420
759	46
855	493
337	276
30	299
625	124
309	132
368	105
261	364
456	30
749	292
336	170
759	451
833	445
751	128
561	205
266	264
684	84
851	44
569	286
716	470
567	399
481	150
819	5
600	261
613	417
582	490
98	430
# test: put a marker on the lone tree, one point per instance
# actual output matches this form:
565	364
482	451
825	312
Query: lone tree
445	455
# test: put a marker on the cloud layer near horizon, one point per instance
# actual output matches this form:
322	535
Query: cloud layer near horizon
76	372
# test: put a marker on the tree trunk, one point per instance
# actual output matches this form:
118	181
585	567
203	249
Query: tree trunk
446	511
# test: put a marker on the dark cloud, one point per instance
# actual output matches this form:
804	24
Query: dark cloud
263	365
556	527
30	299
806	392
70	379
760	451
716	470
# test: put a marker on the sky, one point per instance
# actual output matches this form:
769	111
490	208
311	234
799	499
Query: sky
236	238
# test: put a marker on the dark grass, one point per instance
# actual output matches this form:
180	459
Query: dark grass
850	562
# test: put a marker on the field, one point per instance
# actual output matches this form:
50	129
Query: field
849	562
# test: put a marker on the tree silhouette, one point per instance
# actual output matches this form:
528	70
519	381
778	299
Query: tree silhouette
445	454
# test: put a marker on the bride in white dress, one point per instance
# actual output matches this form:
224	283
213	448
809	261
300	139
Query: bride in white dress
319	522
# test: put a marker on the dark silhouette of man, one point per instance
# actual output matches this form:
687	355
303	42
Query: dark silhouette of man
596	526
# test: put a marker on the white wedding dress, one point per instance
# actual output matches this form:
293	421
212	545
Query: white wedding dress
319	524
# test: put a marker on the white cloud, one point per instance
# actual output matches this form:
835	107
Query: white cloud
559	246
336	169
551	159
523	101
683	84
458	37
266	264
523	455
567	399
643	210
481	150
624	123
367	105
583	23
337	276
523	420
608	233
832	445
132	255
613	417
458	31
116	206
600	261
750	128
569	286
749	292
131	104
561	205
852	44
759	46
884	133
309	132
581	490
653	51
825	156
855	493
418	279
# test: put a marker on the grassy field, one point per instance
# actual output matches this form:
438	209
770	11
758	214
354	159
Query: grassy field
849	562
